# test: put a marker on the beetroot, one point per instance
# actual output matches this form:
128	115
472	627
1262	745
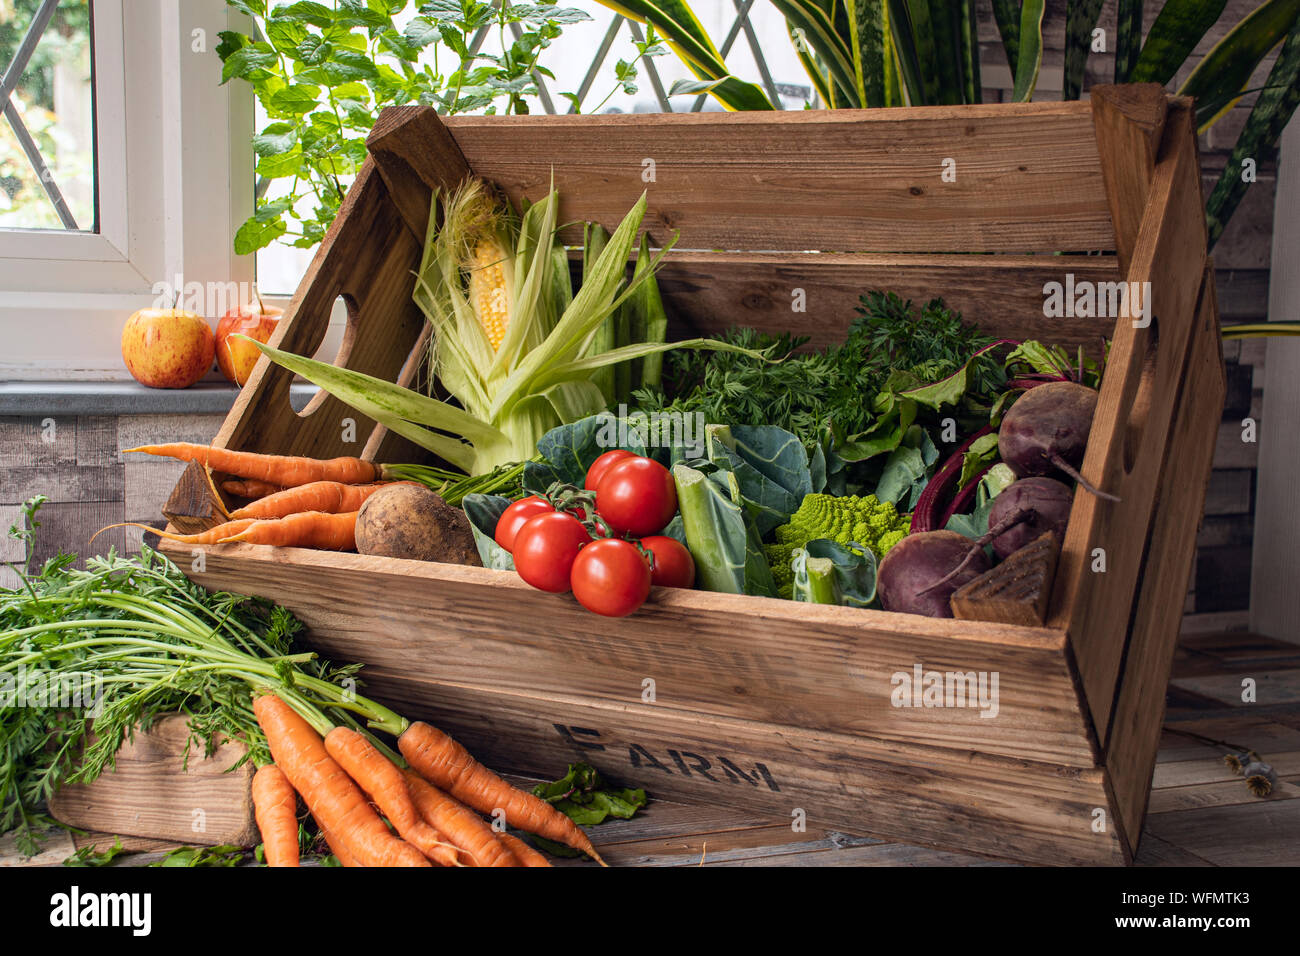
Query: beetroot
1025	510
908	577
1046	431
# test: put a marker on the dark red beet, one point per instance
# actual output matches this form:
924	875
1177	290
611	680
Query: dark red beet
1046	431
907	575
1046	503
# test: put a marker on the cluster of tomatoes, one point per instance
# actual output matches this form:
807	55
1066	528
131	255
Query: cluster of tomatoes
603	542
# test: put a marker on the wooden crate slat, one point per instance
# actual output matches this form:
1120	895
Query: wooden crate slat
367	255
1130	122
815	667
707	292
1011	809
1135	730
415	155
148	793
1131	427
832	180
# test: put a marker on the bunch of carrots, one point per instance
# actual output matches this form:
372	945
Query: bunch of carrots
349	785
296	502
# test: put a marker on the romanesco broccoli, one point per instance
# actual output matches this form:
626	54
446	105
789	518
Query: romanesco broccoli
868	521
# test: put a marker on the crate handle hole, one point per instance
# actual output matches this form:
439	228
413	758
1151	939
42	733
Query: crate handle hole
1140	407
344	353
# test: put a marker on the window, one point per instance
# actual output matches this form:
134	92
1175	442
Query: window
151	159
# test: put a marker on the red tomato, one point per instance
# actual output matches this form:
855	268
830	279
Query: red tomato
637	496
674	566
602	464
611	577
545	549
515	516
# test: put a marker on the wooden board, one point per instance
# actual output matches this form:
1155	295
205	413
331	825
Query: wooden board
1028	176
1139	709
151	793
367	258
1011	809
1131	427
796	666
707	292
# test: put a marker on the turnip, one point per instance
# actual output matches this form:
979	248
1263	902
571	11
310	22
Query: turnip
1046	431
910	574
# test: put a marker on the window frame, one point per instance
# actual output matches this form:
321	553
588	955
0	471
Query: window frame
163	213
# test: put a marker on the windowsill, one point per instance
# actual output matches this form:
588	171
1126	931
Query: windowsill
126	398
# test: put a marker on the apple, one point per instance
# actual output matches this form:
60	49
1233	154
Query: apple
167	348
235	357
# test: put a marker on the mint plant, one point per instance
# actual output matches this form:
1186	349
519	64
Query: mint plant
323	71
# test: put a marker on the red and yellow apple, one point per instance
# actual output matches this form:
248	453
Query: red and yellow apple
236	357
167	348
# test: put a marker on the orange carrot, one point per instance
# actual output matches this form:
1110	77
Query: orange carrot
459	825
446	764
331	497
340	854
383	781
212	536
275	805
522	851
337	803
279	470
307	529
248	488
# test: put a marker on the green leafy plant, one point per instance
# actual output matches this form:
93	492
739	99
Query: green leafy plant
323	71
1219	80
861	53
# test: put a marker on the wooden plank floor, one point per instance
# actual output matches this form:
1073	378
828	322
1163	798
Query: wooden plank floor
1201	814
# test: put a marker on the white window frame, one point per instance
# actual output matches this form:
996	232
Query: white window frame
164	211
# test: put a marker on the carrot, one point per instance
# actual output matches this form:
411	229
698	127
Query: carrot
307	529
337	803
212	536
522	851
279	470
462	827
343	856
331	497
446	764
249	488
383	781
275	805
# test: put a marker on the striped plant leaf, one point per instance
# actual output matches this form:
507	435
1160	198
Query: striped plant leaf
1258	139
928	54
675	21
909	66
1128	38
1030	53
1007	15
810	20
1172	38
1080	20
1221	77
870	47
970	53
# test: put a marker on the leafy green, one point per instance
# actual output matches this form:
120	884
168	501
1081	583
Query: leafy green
226	854
323	72
483	512
90	856
827	572
908	469
720	533
587	799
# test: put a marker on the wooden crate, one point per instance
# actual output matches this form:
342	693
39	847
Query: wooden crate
770	705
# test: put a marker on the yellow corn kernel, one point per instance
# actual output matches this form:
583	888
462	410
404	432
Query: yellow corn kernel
487	291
